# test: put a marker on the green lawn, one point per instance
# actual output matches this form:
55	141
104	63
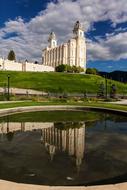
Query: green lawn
57	82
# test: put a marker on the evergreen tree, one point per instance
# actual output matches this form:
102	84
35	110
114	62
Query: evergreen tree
11	56
113	91
101	90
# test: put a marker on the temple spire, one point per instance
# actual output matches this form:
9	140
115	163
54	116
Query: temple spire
52	40
78	30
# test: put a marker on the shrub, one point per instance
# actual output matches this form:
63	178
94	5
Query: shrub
93	71
60	68
69	69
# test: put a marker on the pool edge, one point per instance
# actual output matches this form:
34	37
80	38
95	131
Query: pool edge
9	111
7	185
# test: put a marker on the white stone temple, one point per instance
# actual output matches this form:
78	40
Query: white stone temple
71	141
72	53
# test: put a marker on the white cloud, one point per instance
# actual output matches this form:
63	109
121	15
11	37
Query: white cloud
114	47
60	17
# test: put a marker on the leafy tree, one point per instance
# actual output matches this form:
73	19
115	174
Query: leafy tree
60	68
69	69
11	56
74	69
93	71
77	69
80	69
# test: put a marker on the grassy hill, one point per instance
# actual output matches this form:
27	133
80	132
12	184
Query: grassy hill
57	82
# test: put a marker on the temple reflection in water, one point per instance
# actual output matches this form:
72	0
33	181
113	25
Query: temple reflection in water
68	137
70	140
6	127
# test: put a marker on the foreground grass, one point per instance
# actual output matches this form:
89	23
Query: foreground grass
57	82
92	104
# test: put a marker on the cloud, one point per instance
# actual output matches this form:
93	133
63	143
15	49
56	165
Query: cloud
31	37
114	47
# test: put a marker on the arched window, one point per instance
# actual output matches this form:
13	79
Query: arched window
54	43
81	33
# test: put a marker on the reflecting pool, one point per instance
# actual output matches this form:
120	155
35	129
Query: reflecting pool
63	148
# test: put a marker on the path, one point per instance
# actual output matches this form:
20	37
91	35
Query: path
121	102
22	91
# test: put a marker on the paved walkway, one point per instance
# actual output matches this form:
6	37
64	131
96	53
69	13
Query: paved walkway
22	91
121	102
9	102
5	185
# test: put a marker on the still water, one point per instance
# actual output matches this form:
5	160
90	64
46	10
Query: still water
63	148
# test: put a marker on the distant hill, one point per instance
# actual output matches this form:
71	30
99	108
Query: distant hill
120	76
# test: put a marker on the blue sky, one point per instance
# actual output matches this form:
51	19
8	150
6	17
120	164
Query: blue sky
27	9
25	25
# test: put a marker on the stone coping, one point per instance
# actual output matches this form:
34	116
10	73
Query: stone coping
9	111
6	185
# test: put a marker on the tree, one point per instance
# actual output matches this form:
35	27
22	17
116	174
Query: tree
76	69
60	68
113	91
80	69
101	90
93	71
69	69
11	56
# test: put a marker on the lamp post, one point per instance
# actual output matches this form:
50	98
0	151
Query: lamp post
8	87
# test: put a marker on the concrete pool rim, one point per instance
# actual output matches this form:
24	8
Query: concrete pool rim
15	110
5	185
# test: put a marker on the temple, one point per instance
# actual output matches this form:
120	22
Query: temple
72	53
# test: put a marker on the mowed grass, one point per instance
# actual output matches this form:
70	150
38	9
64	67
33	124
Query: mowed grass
57	82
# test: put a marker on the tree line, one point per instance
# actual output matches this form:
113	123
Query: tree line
75	69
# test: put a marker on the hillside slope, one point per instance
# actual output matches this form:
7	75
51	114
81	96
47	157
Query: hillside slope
57	82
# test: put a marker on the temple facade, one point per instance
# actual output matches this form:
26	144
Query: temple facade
72	53
71	141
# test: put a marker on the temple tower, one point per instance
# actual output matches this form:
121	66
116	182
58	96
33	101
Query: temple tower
80	45
52	40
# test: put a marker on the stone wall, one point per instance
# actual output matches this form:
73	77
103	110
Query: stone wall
26	66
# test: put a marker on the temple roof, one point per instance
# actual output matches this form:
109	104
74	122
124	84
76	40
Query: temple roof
52	36
77	26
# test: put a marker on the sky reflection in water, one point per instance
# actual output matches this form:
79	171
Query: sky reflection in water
64	152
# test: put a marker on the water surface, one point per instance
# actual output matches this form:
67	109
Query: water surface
63	148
